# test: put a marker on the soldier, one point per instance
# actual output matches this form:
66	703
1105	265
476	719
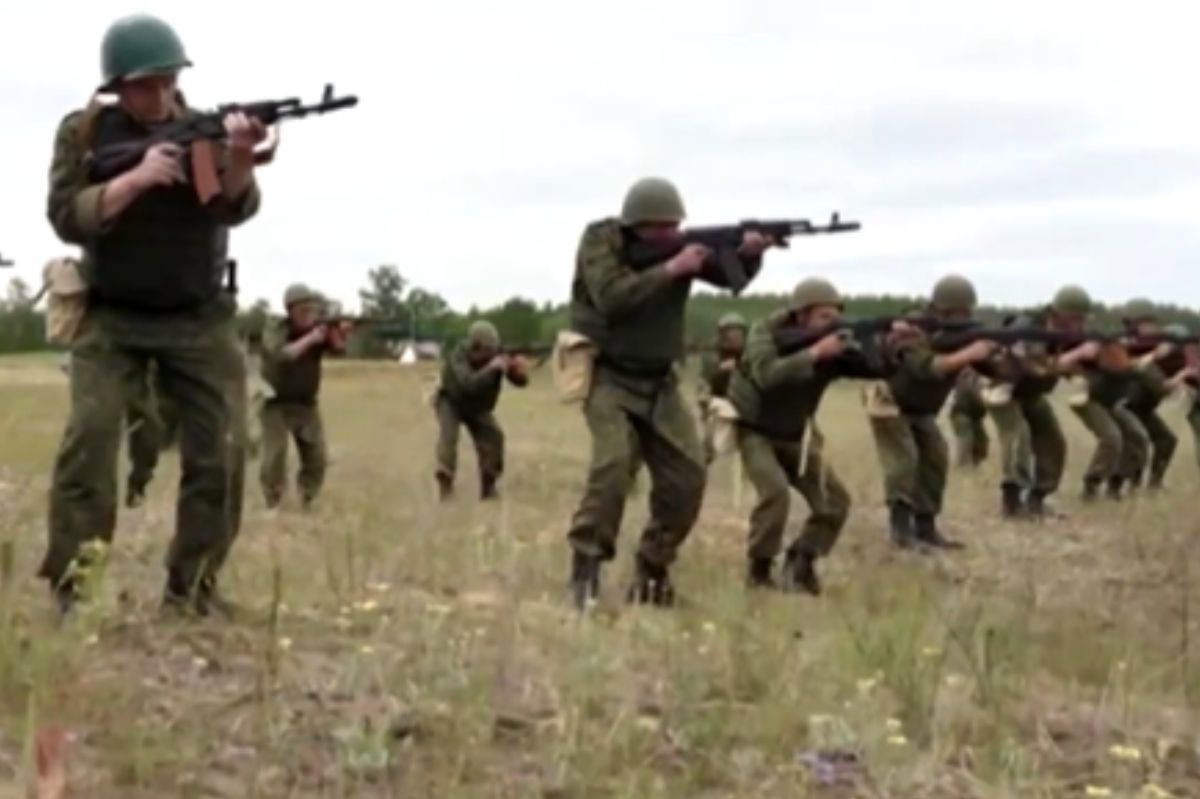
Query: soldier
1156	369
776	397
292	354
635	321
1121	442
154	255
911	448
967	416
716	367
152	428
1033	448
472	378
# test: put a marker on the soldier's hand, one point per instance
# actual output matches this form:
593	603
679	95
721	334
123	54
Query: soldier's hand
318	334
981	350
1164	350
160	166
829	347
244	132
689	260
499	363
754	243
1089	350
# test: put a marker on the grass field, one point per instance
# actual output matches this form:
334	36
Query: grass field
400	648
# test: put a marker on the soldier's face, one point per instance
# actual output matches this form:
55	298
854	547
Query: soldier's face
304	315
149	99
1067	322
479	354
658	231
821	316
1145	327
732	338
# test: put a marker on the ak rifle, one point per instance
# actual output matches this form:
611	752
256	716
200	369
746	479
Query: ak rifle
115	159
724	241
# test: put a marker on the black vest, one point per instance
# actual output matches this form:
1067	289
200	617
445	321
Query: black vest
165	251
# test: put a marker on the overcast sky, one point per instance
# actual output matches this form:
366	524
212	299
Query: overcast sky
1025	144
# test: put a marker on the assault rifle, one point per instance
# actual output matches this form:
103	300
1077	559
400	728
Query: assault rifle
378	325
108	162
724	240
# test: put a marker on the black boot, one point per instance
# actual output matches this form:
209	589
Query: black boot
1010	501
925	528
1135	482
759	573
487	487
1091	489
1035	504
445	484
901	526
585	579
800	573
134	496
651	585
203	599
1115	484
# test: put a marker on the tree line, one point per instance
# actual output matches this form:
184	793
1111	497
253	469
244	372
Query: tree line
400	311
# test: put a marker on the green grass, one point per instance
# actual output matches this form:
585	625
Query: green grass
403	648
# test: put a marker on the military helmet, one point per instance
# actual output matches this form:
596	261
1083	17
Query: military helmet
814	291
1138	310
1072	300
139	45
298	293
731	319
483	333
652	200
954	293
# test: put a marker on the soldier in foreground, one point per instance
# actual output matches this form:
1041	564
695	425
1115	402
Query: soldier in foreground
968	415
154	262
1104	367
716	369
292	354
1033	448
634	319
912	451
776	395
472	377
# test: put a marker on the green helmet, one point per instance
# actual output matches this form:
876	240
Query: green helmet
1072	300
139	45
731	320
483	333
954	293
652	200
298	293
814	291
1138	310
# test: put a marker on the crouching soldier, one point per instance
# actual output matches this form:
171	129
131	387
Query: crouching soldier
1155	370
968	415
716	368
776	391
472	377
291	367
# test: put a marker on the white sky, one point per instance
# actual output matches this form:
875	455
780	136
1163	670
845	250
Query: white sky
1025	144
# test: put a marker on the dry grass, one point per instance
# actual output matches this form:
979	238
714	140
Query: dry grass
426	650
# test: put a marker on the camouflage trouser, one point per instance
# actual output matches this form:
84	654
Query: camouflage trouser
970	435
914	459
1122	446
627	417
1163	443
487	435
202	374
302	423
774	467
1033	448
152	427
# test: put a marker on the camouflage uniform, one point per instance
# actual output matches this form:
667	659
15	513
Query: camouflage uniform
967	416
716	367
467	396
152	428
292	409
635	319
776	396
155	275
1033	448
1122	445
1151	384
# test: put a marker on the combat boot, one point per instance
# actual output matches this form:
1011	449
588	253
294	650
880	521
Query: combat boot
927	532
1091	489
1115	484
135	496
651	585
487	487
1010	501
1135	482
1035	504
900	526
800	572
585	579
202	600
759	573
445	484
